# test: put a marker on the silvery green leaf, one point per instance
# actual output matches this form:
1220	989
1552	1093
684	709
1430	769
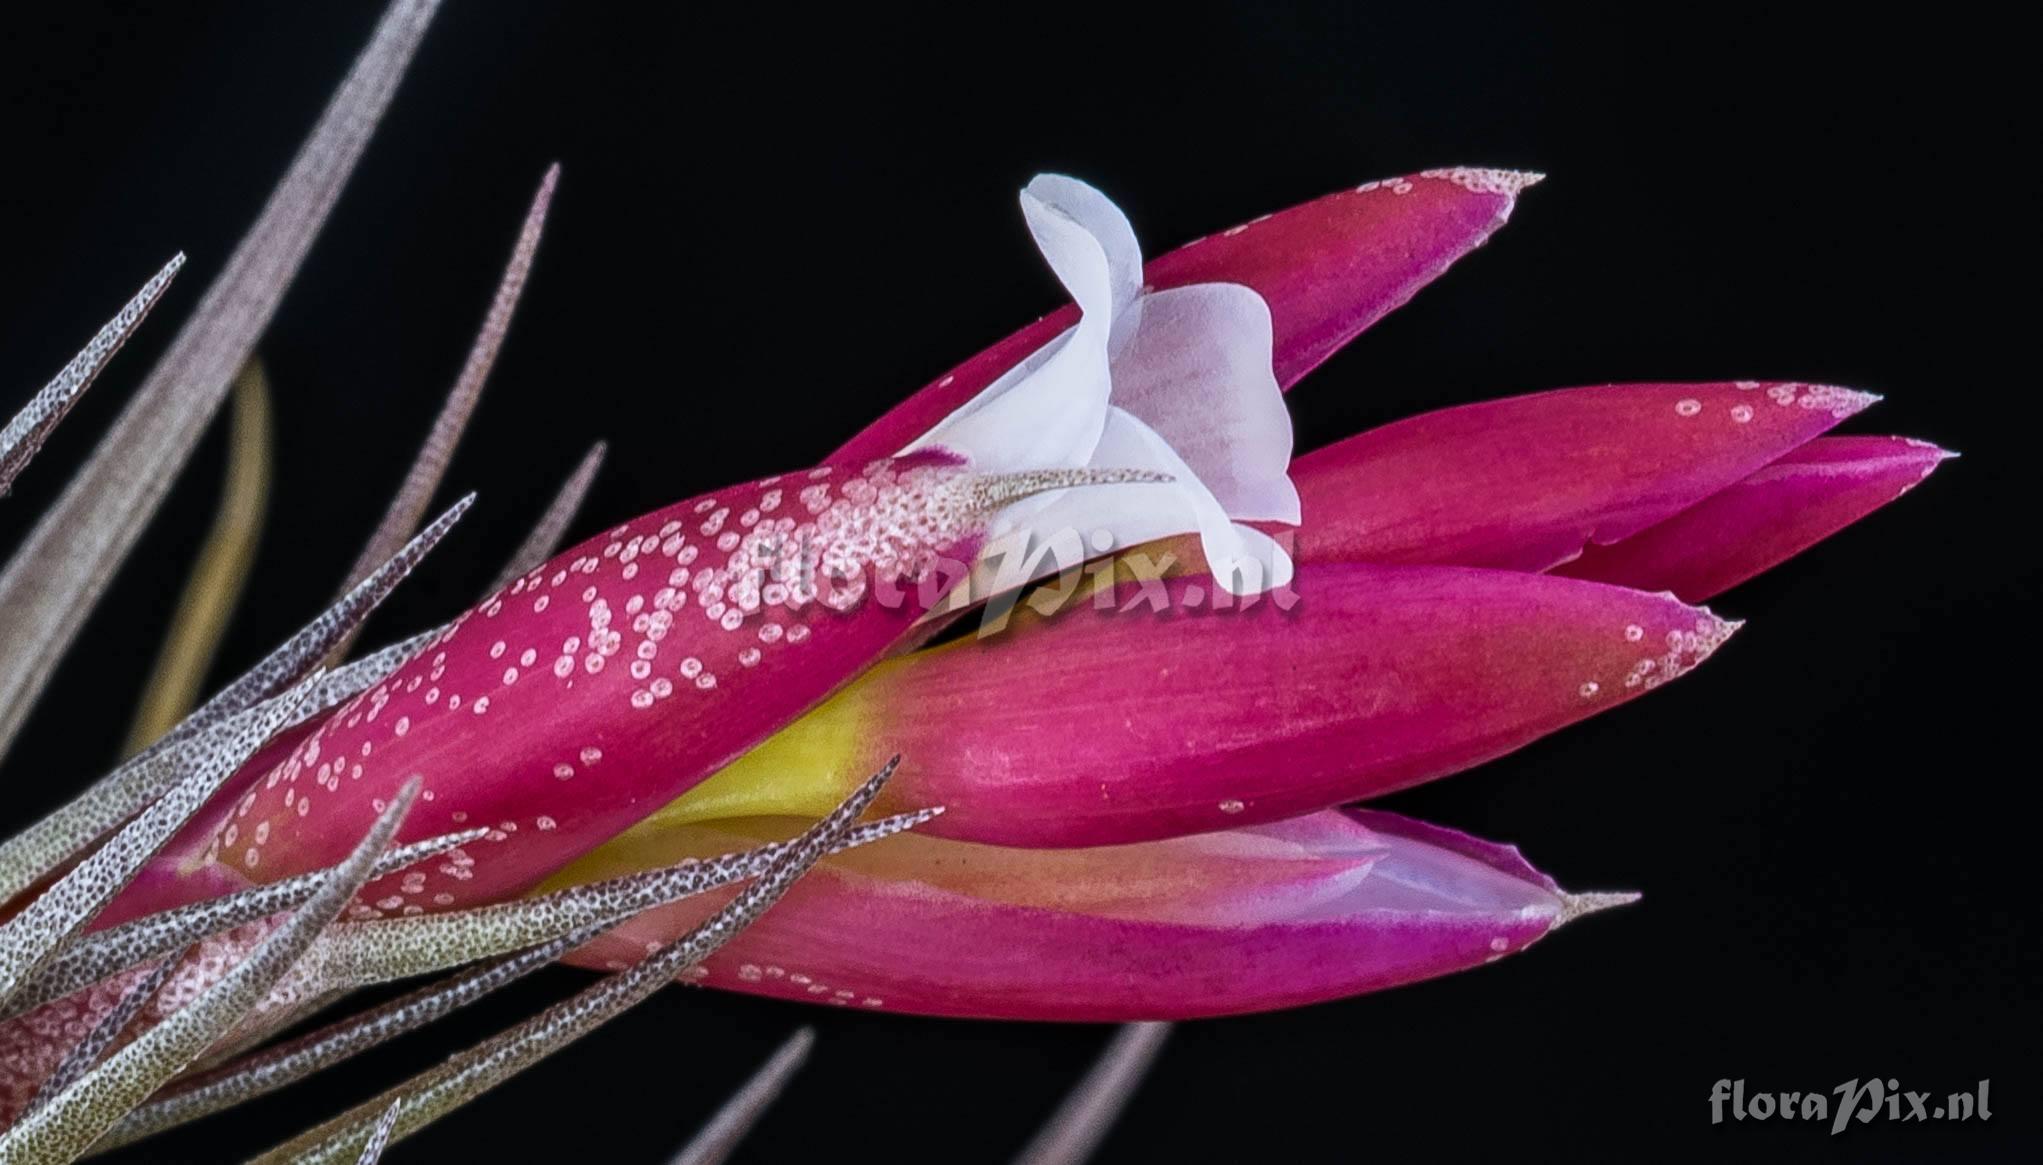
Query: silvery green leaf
86	1052
31	938
72	1121
36	851
466	1075
358	954
102	954
545	537
24	435
715	1142
62	568
402	515
1082	1121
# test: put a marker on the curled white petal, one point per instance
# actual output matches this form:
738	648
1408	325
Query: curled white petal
1198	373
1177	381
1047	412
1101	219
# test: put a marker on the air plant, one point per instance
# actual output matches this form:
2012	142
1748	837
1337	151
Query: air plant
1134	664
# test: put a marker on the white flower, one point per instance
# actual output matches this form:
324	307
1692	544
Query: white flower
1175	381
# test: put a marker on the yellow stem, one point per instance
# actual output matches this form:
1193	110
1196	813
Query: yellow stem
221	572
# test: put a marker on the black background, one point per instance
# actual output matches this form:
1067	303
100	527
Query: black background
773	224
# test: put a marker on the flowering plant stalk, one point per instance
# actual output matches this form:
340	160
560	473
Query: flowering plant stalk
1112	666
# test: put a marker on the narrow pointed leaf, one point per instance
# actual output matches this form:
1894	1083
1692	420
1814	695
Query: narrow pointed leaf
1082	1121
31	938
263	1072
352	679
327	691
86	1052
42	848
379	1136
25	433
70	1123
102	954
358	954
546	534
37	850
427	469
270	1069
467	1075
324	692
720	1137
63	567
299	654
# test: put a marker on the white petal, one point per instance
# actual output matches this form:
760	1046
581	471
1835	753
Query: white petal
1104	222
1046	413
1177	381
1261	565
1198	373
1242	560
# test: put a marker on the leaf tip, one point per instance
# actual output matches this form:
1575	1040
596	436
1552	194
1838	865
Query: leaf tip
1574	906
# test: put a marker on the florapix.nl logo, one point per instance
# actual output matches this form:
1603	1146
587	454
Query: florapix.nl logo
1862	1100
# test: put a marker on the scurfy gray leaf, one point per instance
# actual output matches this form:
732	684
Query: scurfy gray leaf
545	537
24	435
352	679
70	1123
539	545
380	1135
439	1091
262	1072
720	1137
63	566
86	1052
304	650
31	938
33	853
103	954
1075	1130
402	516
42	847
360	954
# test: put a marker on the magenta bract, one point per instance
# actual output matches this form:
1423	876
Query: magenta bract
1764	518
1162	715
1327	269
596	688
1526	482
1245	920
